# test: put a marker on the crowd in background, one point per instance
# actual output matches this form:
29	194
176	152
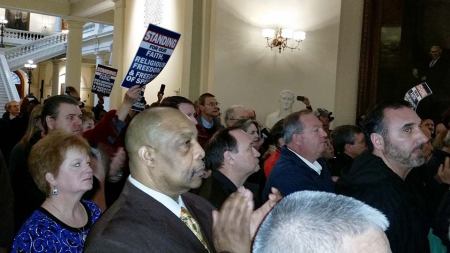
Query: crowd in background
80	179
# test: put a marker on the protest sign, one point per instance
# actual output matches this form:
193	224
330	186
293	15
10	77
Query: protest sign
153	53
104	80
417	93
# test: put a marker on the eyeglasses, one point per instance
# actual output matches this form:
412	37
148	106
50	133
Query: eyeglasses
212	104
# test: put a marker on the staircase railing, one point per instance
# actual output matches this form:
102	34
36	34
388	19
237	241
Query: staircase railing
96	37
39	49
20	35
7	92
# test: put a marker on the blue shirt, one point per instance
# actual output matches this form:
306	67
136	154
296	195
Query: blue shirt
43	232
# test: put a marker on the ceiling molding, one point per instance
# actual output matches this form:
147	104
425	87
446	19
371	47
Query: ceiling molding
90	8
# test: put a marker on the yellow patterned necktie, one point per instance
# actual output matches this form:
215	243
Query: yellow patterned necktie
192	224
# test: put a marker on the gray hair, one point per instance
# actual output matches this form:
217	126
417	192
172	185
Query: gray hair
293	125
229	113
309	221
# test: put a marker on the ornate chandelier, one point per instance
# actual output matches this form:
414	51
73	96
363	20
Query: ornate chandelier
283	38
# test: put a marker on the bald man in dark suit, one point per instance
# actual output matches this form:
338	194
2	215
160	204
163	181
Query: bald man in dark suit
155	212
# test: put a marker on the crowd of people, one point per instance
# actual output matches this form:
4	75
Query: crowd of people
173	178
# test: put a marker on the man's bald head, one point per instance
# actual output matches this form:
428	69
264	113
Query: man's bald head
164	152
150	127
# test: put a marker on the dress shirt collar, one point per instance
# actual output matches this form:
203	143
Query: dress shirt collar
205	123
168	202
432	62
314	166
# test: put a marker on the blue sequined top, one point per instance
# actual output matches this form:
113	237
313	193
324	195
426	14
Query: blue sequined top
43	232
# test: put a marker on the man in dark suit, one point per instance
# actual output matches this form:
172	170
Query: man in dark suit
298	167
349	142
435	73
155	212
232	158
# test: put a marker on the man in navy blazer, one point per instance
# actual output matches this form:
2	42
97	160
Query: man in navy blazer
299	167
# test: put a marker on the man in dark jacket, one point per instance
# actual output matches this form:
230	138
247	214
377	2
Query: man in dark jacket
378	177
298	168
348	142
155	212
232	159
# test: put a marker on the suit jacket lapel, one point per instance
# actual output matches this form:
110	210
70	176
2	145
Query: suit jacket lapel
163	219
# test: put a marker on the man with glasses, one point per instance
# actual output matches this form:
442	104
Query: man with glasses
208	118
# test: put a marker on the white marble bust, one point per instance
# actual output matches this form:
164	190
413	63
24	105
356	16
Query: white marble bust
286	102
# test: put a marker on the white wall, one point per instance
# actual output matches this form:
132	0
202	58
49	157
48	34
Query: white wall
173	17
42	23
348	62
246	72
242	70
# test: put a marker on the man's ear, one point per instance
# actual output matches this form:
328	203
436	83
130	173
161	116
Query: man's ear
228	157
377	141
201	107
147	155
297	138
51	122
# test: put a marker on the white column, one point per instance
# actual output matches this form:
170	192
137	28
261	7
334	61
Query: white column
346	94
73	54
116	54
55	77
100	59
58	24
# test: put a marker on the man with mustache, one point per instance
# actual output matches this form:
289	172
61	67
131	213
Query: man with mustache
378	177
154	209
155	212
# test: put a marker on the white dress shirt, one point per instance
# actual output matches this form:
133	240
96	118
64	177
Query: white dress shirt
168	202
314	166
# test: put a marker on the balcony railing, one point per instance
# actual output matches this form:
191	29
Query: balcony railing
13	35
52	44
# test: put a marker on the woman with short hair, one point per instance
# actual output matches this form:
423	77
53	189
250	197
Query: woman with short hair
60	166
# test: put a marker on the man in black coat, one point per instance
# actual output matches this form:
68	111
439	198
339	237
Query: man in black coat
348	142
378	177
232	159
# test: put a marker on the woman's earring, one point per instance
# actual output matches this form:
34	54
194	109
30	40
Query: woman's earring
54	191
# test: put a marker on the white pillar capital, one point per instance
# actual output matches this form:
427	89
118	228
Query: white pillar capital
74	24
119	3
